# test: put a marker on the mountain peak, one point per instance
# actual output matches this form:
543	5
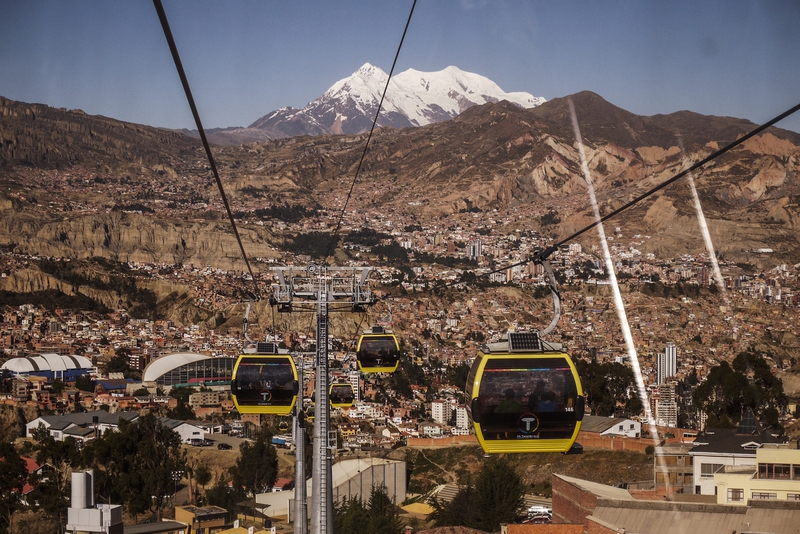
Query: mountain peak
368	69
413	98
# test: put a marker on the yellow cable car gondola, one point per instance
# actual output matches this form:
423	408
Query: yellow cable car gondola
378	351
265	381
524	395
341	395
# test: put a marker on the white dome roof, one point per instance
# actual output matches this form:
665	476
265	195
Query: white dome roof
163	365
46	362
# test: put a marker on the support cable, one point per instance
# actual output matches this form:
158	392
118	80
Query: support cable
542	255
162	16
548	251
369	137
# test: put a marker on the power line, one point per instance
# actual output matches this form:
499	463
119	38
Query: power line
162	16
372	129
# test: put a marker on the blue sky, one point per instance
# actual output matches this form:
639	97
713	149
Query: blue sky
247	58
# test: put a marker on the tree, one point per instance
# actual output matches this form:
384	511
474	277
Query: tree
12	479
135	464
50	491
496	497
202	474
349	516
224	496
84	383
458	512
377	516
606	386
159	456
499	495
728	391
57	386
256	469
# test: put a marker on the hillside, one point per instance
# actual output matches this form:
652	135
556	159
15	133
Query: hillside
66	175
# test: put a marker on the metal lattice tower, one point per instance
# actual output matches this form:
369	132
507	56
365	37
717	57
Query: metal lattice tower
328	289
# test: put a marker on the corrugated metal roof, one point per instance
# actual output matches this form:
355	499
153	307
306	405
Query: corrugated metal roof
597	424
600	490
658	517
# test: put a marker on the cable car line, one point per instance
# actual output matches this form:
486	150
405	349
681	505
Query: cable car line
369	137
548	251
542	255
162	16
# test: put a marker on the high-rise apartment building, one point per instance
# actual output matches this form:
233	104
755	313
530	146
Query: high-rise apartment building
667	363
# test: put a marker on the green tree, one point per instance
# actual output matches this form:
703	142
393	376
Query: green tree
727	391
84	383
12	479
135	464
458	512
51	491
457	375
606	387
496	497
202	475
159	456
256	469
377	516
224	496
499	495
57	386
349	516
182	412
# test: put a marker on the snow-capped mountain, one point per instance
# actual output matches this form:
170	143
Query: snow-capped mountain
413	98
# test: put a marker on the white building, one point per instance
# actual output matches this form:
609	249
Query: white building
84	515
666	407
667	363
462	419
440	411
717	449
81	426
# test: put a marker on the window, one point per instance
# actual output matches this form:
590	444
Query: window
764	496
735	494
793	496
774	471
708	470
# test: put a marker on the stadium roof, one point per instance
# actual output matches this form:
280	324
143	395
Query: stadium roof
163	365
47	362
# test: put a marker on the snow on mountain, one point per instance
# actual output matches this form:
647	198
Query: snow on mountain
413	98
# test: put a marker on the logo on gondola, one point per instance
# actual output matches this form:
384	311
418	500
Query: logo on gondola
266	395
528	423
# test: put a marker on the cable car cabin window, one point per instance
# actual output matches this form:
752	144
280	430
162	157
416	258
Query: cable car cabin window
341	395
264	385
378	353
527	399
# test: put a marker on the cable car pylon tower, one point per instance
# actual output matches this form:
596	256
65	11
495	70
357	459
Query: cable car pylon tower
329	289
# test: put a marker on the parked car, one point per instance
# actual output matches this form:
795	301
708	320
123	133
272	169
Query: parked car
223	446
